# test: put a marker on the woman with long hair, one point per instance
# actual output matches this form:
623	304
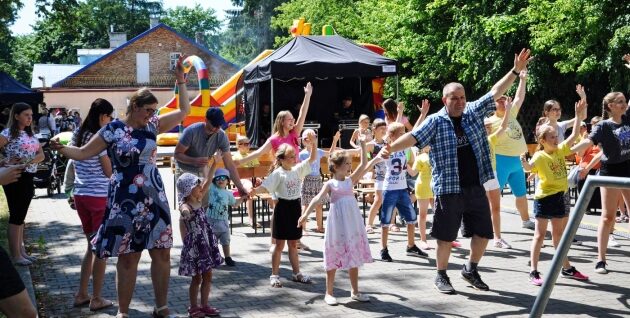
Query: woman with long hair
90	197
394	113
137	215
20	147
612	135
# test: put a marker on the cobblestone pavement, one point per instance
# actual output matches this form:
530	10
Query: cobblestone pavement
402	288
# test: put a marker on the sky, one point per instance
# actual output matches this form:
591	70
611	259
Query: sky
27	16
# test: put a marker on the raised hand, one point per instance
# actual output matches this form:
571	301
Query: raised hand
400	107
424	109
579	89
308	89
180	74
337	135
580	107
521	59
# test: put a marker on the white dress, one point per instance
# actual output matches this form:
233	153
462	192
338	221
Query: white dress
345	241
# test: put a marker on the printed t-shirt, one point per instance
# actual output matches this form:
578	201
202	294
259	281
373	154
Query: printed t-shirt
466	161
551	170
24	147
396	171
512	141
220	201
287	184
613	139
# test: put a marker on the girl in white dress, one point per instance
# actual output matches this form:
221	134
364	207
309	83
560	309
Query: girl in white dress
345	241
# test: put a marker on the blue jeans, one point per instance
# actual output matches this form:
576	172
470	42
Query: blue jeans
397	199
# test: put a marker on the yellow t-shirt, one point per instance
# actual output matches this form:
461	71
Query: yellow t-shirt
238	156
551	170
492	142
423	182
512	142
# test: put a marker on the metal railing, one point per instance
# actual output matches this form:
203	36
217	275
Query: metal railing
567	237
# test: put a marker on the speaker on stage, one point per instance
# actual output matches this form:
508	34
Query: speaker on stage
347	127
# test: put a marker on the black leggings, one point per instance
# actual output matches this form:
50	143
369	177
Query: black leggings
19	195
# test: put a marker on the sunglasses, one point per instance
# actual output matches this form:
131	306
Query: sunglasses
221	178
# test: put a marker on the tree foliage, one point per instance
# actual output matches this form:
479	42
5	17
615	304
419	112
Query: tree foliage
8	11
189	21
473	42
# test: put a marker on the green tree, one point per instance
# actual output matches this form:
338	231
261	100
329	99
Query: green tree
8	12
189	21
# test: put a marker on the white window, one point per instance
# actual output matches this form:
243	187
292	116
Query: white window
173	57
142	68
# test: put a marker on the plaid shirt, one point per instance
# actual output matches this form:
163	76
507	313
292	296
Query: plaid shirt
438	132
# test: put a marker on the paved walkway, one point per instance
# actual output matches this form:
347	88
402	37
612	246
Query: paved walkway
402	288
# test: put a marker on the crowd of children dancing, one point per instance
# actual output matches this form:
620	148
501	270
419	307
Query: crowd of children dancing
460	169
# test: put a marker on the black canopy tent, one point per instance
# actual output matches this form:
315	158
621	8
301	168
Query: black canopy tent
336	67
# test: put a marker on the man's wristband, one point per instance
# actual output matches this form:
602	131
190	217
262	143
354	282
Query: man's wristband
514	72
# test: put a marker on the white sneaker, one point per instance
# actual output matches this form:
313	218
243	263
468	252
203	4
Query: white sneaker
360	297
330	300
501	243
612	242
529	225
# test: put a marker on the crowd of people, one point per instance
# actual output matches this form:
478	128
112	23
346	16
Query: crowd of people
463	156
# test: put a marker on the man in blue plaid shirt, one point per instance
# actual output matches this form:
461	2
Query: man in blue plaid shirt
460	158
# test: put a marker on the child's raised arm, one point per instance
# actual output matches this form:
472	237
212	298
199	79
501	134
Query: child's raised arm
580	114
355	135
335	140
316	200
299	123
313	149
360	170
504	120
424	110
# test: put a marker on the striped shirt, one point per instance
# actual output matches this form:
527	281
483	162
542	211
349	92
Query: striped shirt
90	180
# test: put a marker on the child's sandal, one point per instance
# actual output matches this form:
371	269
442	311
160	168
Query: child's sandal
394	228
274	280
301	278
369	229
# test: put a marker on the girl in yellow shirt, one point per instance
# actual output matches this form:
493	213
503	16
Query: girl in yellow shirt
549	205
423	192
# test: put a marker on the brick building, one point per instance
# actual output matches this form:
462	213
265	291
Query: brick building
146	60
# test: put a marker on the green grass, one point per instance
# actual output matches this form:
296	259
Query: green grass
4	220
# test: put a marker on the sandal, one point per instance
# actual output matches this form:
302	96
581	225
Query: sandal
275	281
394	228
81	303
97	304
369	229
301	278
210	311
156	312
195	312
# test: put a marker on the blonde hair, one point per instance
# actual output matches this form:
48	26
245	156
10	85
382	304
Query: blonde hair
394	127
541	133
609	98
336	159
277	124
241	138
364	117
281	153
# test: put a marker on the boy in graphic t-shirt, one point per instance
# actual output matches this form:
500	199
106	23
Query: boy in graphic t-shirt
395	195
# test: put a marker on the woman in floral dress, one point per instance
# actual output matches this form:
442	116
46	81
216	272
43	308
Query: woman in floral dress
137	216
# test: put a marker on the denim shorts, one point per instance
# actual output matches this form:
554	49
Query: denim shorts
550	207
221	230
397	199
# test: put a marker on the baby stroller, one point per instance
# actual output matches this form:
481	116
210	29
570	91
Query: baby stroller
49	173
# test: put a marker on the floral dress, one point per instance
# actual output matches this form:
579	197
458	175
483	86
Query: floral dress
137	215
200	253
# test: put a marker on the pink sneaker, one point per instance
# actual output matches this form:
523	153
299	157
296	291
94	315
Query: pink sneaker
210	311
535	279
573	273
456	244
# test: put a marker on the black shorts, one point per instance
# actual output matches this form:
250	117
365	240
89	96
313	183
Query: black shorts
10	282
621	169
550	207
469	209
285	220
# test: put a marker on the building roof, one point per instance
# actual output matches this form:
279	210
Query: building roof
51	73
140	36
